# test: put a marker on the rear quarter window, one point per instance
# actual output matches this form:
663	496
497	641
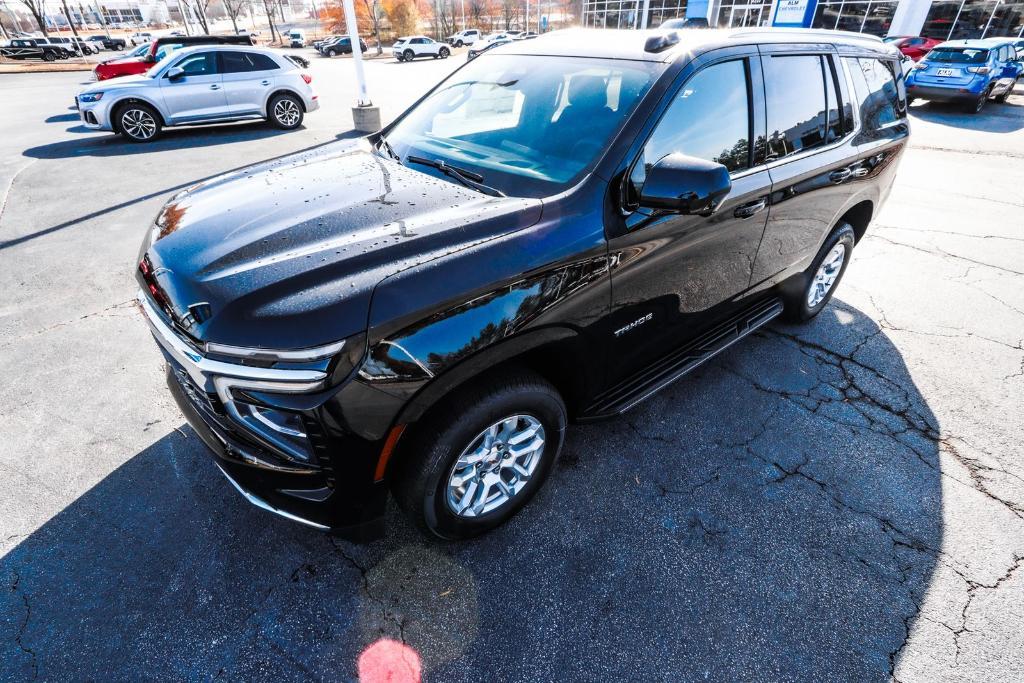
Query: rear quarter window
880	88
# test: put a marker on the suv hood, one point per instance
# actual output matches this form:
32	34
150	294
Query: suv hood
286	254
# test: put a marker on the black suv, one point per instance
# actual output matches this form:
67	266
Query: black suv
556	231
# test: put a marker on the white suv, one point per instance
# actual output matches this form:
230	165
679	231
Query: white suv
467	37
201	84
410	47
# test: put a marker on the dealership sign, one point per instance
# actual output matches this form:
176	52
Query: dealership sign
795	13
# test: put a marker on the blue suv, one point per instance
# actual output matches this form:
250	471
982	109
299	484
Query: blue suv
967	71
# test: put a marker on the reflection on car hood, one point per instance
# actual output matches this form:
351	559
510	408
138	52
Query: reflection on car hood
286	254
133	81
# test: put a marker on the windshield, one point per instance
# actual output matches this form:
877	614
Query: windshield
531	126
963	55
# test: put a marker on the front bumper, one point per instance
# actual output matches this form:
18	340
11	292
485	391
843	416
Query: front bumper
94	115
332	491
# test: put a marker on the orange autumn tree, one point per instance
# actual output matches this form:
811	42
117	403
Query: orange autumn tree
404	16
369	14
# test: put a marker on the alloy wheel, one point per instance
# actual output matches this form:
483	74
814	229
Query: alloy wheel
138	124
286	112
496	466
828	273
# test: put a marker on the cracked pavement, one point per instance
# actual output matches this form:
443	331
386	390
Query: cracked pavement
839	501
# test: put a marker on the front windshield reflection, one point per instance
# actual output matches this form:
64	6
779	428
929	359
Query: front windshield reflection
531	126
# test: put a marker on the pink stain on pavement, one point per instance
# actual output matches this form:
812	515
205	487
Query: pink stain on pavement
388	661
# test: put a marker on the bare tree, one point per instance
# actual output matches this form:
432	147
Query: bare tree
234	9
200	7
375	13
268	6
510	13
36	7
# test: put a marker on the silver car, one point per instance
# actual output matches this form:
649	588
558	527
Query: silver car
201	84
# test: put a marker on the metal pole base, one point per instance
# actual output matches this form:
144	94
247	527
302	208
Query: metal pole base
366	119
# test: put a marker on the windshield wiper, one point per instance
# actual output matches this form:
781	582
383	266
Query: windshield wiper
467	178
383	143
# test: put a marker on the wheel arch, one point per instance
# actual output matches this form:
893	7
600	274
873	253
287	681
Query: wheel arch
859	217
280	90
552	353
116	107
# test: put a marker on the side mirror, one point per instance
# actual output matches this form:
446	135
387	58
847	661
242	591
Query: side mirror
685	184
175	73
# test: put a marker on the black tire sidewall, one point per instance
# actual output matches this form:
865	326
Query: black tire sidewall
409	55
273	118
152	112
800	311
443	447
444	52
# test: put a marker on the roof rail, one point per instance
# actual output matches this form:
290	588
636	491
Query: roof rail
811	33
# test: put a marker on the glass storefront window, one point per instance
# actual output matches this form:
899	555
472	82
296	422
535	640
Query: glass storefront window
860	17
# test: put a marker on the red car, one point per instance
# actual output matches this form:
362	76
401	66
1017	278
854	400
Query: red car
140	62
914	47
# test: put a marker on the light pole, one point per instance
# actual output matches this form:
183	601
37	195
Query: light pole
365	116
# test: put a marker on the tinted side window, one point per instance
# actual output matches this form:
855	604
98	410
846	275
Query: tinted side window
884	102
795	94
709	119
202	64
237	62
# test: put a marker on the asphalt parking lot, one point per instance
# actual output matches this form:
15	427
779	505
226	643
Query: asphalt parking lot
842	501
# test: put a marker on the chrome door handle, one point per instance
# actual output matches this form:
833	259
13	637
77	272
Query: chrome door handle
748	210
840	176
214	87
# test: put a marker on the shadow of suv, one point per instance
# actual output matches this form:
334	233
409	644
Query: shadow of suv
423	311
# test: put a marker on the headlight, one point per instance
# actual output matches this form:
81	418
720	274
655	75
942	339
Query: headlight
90	97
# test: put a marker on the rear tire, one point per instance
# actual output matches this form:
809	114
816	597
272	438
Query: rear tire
409	55
467	447
138	122
444	52
977	105
285	112
822	278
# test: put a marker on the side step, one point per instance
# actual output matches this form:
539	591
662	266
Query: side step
668	369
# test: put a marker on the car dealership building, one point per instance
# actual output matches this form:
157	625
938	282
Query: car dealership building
944	19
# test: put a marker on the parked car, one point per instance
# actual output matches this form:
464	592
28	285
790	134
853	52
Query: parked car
296	38
140	38
66	51
483	47
326	39
340	46
435	340
156	51
76	46
968	72
467	37
201	84
30	48
410	47
914	47
110	43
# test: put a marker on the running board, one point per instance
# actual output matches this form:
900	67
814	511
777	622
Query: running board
668	369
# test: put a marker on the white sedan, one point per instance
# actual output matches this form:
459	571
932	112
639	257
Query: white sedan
410	47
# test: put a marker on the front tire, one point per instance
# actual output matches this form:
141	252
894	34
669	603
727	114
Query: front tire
822	278
138	122
458	43
285	112
49	57
331	53
484	457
